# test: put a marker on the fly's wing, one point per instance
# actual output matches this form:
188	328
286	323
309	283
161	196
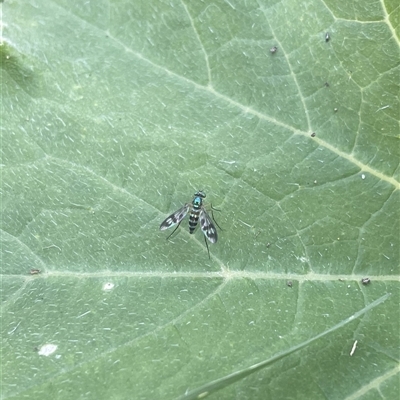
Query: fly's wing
208	227
175	218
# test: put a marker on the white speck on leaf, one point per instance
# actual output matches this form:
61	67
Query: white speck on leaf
353	349
47	349
108	286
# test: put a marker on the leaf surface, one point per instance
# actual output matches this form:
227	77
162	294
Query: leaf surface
114	114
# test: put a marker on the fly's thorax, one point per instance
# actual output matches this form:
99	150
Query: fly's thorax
197	202
198	199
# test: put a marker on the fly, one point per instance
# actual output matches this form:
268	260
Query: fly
197	212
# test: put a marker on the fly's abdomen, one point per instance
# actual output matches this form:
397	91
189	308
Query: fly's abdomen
193	220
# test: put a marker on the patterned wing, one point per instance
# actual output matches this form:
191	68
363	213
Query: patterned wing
208	227
175	218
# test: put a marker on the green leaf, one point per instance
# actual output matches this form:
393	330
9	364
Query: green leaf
232	378
113	114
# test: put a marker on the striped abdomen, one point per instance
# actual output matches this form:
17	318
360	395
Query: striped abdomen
195	212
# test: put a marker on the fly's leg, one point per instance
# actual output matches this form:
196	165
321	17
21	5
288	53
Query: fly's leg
173	231
212	214
208	250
